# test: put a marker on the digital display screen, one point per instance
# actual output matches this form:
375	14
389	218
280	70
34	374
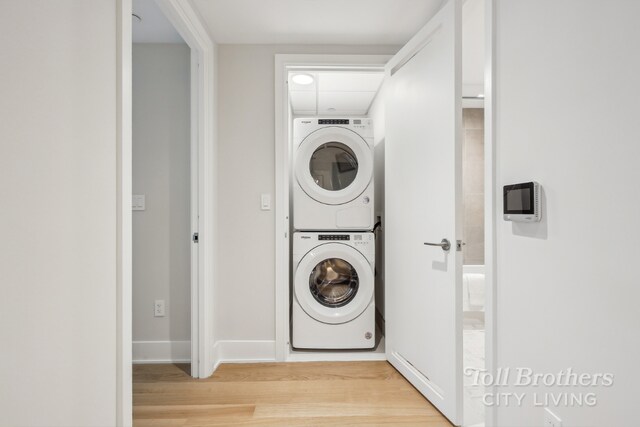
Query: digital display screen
334	237
518	199
333	121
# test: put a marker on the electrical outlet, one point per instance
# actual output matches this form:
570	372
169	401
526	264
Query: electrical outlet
551	419
158	308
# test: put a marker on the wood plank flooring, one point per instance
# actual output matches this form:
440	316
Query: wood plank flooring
280	394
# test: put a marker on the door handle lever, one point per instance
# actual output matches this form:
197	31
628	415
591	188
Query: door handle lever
444	244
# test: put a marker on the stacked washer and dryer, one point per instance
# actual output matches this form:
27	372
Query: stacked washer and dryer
333	257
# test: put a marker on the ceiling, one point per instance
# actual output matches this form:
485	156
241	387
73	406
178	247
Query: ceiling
335	93
154	27
345	22
353	22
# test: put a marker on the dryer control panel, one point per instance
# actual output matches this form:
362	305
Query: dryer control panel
334	237
302	127
355	239
334	121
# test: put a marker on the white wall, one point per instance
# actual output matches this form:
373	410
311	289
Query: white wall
161	171
568	289
245	294
58	213
473	53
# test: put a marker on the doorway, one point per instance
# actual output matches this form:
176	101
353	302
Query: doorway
286	64
203	216
163	200
473	206
294	100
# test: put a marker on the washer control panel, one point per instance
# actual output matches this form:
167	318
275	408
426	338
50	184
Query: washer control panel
355	239
363	241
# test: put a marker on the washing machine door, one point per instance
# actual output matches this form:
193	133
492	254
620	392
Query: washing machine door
334	165
334	283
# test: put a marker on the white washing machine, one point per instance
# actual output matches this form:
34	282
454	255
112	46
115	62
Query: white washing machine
333	303
333	174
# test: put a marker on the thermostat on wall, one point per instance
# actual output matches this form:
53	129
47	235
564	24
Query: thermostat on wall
522	202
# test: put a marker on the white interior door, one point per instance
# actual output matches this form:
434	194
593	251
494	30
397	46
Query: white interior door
423	201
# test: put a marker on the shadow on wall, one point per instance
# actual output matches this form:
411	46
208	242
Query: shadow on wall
379	212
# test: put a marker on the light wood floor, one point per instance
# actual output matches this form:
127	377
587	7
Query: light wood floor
280	394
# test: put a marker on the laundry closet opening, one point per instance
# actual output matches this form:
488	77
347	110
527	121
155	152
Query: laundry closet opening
335	158
374	152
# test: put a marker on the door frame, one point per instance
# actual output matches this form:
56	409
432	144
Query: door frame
124	237
492	197
203	186
283	64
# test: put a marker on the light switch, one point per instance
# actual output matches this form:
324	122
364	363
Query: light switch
265	202
138	202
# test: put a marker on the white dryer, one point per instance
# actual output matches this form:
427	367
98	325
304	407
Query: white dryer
333	303
333	174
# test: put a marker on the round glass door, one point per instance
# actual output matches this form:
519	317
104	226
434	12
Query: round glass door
333	166
333	282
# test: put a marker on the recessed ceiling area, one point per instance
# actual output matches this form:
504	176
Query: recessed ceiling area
334	93
154	27
343	22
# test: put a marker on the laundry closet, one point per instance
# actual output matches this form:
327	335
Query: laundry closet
336	208
384	161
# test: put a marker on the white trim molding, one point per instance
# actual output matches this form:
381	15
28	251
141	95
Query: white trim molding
491	206
187	22
161	352
124	237
244	351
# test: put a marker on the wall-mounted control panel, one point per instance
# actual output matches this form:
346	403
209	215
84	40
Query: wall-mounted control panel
521	202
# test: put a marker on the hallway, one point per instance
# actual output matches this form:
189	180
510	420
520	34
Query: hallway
277	394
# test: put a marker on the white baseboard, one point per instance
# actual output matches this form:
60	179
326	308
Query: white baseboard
161	351
244	351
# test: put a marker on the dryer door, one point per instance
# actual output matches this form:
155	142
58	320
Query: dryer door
334	165
334	283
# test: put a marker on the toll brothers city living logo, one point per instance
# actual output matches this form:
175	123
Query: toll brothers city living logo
568	388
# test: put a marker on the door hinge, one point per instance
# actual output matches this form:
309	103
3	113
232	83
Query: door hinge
195	238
